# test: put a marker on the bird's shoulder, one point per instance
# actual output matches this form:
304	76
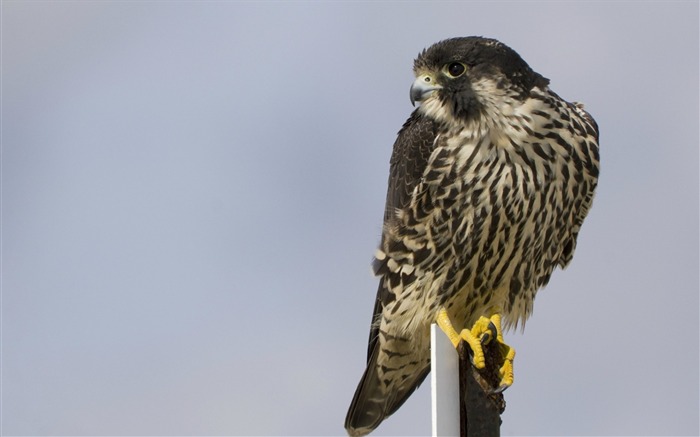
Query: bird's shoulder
411	152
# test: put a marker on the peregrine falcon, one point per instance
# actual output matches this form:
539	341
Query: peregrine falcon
490	180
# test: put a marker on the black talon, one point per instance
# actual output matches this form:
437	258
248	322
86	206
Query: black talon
499	389
493	329
486	337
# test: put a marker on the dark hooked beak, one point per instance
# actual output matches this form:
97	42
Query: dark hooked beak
422	88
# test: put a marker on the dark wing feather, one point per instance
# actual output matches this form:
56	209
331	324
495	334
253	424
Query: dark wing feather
409	159
412	149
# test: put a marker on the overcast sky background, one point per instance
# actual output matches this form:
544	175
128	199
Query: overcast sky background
192	193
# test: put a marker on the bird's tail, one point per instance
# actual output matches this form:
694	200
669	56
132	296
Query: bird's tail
378	397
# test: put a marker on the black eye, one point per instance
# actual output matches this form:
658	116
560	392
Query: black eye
456	69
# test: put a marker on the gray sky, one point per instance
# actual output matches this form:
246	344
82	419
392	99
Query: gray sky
192	193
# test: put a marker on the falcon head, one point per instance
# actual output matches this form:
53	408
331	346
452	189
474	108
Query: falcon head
463	79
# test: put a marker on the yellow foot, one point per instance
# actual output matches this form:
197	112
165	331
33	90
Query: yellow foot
444	322
483	331
507	353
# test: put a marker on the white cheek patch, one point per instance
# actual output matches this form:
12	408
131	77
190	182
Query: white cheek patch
433	108
497	103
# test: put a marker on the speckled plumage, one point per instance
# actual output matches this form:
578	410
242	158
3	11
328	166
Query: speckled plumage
490	181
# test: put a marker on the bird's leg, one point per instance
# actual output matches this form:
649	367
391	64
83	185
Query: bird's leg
483	331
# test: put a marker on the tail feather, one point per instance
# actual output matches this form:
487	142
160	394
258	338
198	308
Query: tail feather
375	400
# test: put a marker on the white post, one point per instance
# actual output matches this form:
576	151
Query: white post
444	381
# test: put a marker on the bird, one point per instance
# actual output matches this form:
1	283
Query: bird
490	180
